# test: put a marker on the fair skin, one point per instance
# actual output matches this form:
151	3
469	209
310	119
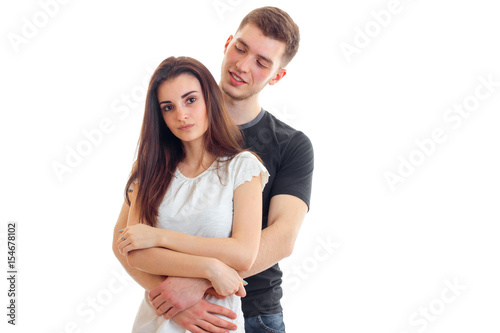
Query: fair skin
209	259
201	315
251	62
178	298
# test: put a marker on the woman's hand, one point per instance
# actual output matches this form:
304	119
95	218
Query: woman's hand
225	280
137	236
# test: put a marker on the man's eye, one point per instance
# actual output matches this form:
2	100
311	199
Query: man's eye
238	49
261	65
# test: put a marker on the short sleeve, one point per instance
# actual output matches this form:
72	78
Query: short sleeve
244	166
294	176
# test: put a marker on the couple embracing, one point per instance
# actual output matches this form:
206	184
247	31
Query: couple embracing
219	189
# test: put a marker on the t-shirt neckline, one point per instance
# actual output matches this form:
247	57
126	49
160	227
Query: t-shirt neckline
254	121
181	175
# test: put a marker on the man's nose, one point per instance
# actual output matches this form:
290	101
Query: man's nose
243	64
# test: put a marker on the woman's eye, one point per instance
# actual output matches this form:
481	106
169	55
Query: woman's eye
191	100
167	108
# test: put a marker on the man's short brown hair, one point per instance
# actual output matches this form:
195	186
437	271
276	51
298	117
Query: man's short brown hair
276	24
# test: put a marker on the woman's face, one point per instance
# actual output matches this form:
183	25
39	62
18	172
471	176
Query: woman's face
183	107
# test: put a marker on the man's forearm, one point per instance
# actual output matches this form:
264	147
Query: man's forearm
268	254
286	214
146	280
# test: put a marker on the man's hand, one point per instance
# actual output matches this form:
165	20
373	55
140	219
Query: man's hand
201	318
176	294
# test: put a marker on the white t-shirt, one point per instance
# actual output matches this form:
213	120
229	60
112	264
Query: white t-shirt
202	206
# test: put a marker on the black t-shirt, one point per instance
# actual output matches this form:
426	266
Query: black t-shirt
289	158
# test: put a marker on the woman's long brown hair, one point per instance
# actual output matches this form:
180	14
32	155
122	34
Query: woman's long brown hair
159	151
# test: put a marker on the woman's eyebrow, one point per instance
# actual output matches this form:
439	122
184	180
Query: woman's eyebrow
183	96
192	91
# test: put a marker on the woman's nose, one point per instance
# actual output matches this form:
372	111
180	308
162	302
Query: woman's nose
182	113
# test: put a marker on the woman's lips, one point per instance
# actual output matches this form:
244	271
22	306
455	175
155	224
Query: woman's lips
186	127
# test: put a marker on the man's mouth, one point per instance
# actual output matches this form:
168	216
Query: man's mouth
236	77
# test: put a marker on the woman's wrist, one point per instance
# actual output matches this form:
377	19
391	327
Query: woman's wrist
210	269
162	240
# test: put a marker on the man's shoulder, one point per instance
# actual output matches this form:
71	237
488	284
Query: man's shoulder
272	138
281	129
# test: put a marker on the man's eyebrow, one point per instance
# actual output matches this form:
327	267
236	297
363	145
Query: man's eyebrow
258	55
183	96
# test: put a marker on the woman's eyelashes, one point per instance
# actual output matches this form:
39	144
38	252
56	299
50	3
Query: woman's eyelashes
167	107
189	100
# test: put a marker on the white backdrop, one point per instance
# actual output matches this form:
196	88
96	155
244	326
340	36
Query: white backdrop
400	99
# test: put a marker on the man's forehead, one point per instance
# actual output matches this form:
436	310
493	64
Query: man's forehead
252	37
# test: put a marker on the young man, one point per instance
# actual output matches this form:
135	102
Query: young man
265	42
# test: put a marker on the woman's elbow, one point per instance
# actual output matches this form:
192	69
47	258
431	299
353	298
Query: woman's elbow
243	267
132	259
245	262
115	250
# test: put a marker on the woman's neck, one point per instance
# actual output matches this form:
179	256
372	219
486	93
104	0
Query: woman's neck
196	161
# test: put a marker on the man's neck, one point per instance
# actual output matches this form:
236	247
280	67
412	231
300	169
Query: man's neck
244	111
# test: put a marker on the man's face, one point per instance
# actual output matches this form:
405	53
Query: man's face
251	61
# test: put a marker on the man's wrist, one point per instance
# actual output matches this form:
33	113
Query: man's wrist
205	284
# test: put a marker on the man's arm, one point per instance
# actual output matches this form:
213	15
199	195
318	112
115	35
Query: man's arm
290	196
286	214
288	207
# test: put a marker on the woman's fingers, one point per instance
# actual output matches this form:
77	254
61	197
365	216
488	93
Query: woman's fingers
241	291
211	291
123	241
135	237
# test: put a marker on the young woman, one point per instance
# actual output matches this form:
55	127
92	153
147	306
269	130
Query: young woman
195	196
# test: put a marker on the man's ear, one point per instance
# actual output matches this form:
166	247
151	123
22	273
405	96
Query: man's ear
281	73
227	43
